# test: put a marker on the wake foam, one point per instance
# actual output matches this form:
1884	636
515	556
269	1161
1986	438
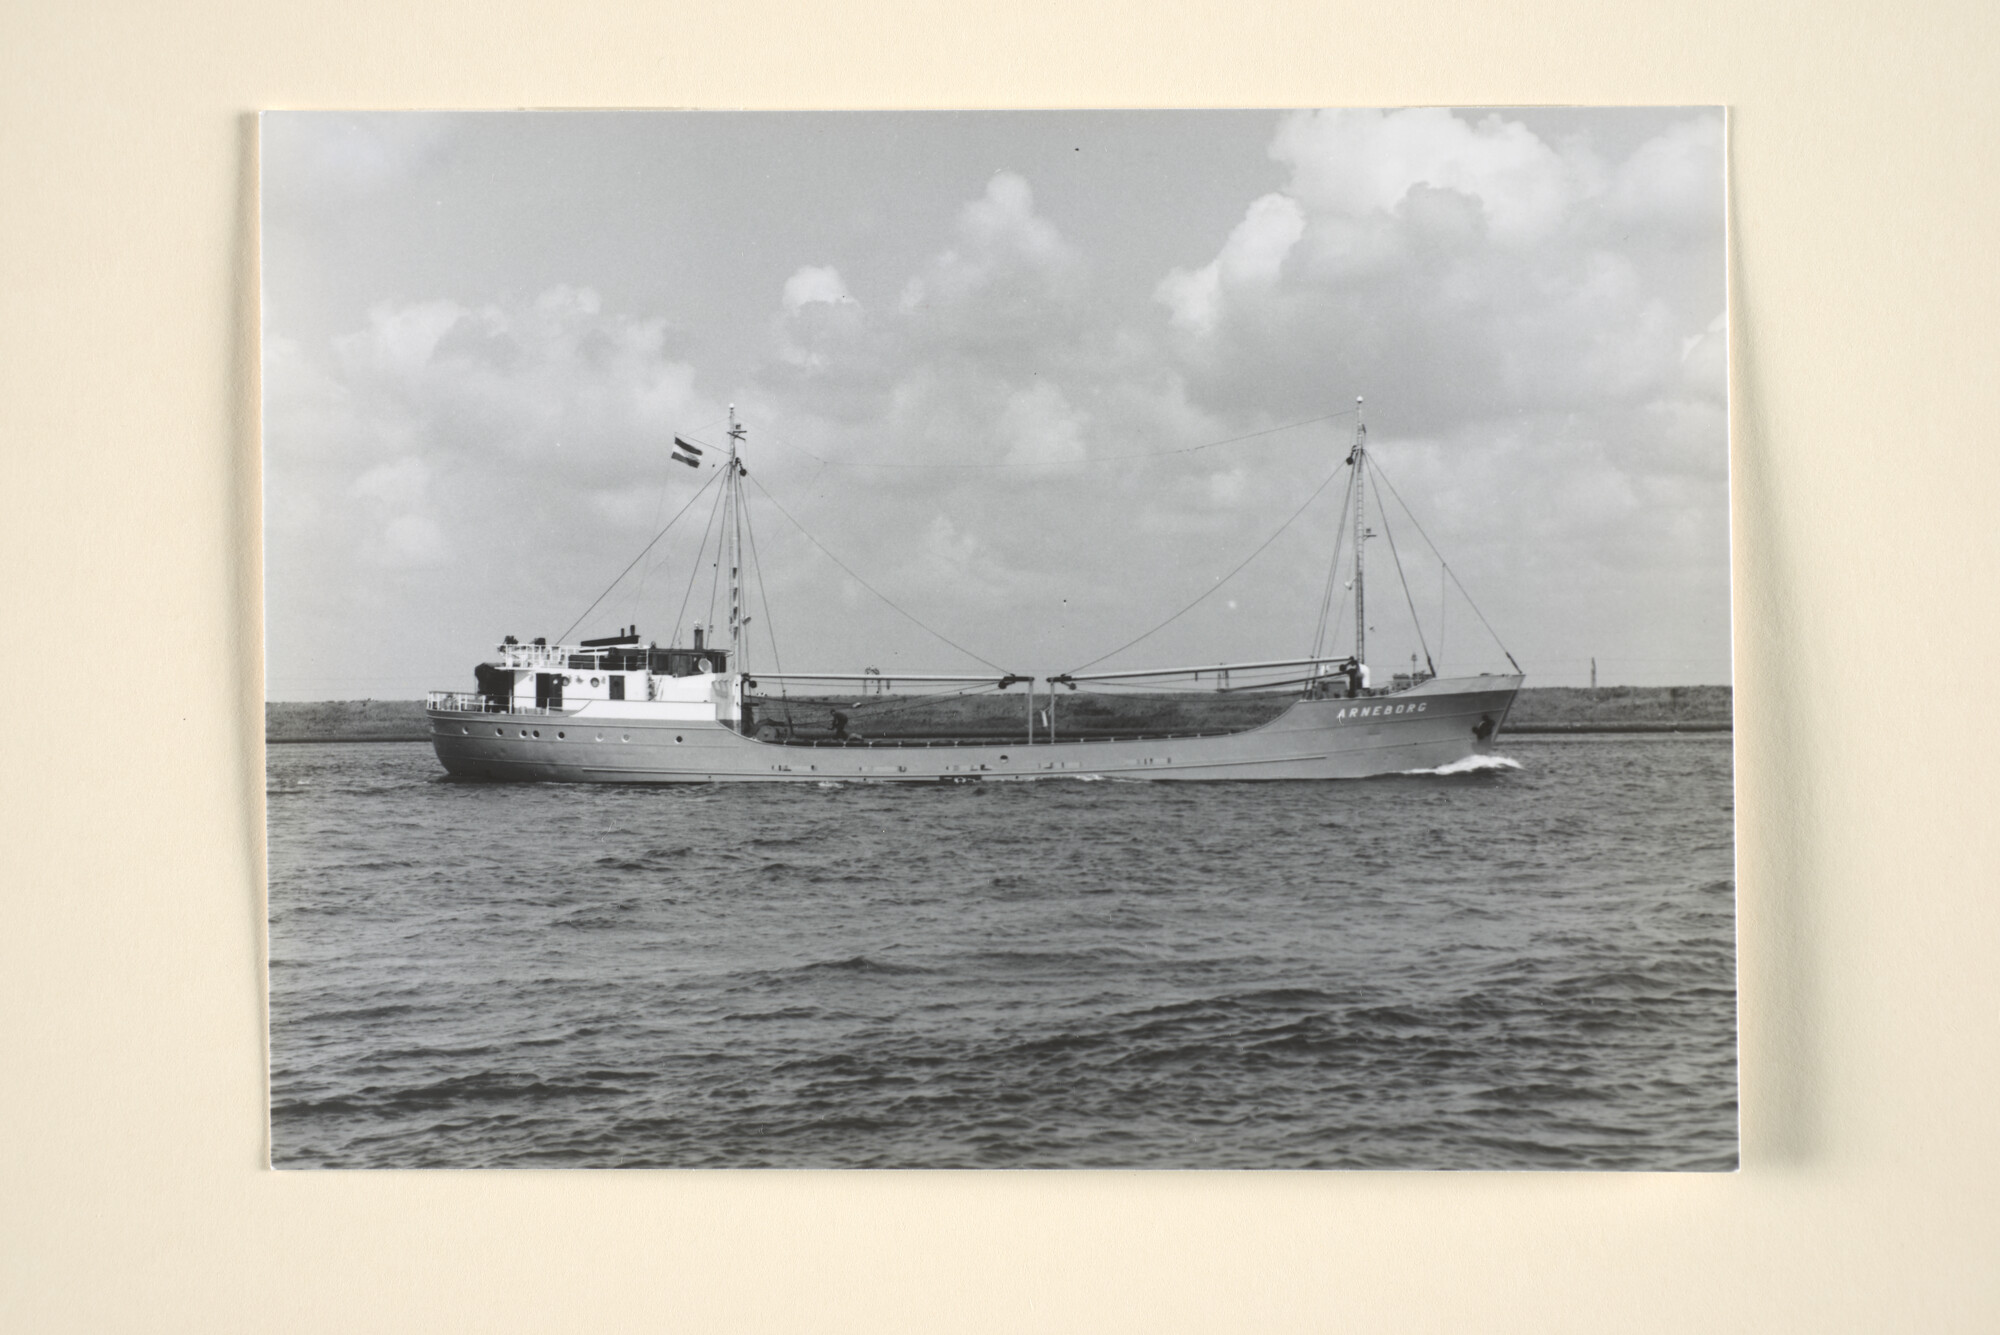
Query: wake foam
1471	765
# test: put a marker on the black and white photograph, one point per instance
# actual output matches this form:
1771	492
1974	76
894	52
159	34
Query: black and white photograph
1012	639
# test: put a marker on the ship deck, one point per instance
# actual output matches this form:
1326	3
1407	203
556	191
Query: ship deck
1433	724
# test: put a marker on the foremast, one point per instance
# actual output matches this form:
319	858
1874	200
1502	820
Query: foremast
738	641
1357	459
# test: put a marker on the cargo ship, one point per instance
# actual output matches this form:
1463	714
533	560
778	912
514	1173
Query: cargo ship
625	709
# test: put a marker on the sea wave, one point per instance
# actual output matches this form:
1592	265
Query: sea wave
1472	765
1522	966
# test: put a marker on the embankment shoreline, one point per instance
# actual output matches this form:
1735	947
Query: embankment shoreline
1539	711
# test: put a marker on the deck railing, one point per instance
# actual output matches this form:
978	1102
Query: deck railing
469	702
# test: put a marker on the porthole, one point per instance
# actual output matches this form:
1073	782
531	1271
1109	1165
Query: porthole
600	736
677	737
499	732
463	729
568	680
703	666
538	732
597	681
561	735
624	736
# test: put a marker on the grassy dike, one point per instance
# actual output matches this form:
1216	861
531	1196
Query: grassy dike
1539	709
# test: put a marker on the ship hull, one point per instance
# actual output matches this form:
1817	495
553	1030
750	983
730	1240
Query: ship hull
1430	726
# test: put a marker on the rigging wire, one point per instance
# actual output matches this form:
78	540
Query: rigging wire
738	516
739	586
635	560
764	601
694	569
771	628
639	594
666	485
1063	463
727	503
1224	681
1390	534
1333	570
1447	565
1340	612
1219	583
870	587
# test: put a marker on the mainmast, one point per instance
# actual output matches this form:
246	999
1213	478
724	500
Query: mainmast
737	639
1357	458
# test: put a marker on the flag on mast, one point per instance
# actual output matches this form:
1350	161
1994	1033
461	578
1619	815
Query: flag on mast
691	450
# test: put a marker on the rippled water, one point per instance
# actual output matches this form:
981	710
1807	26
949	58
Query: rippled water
1523	967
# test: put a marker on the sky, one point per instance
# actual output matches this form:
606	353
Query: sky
975	355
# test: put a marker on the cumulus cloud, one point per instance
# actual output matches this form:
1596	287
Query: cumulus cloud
1456	268
446	448
510	385
404	532
1554	386
1362	164
1538	327
322	160
1543	328
967	365
1250	260
1673	179
1009	287
1039	425
815	284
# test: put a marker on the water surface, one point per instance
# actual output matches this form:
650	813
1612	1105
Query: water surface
1525	967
